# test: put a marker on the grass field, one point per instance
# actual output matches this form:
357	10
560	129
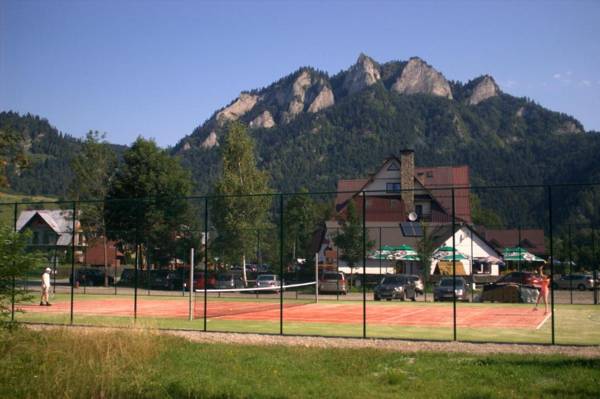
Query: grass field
7	211
575	324
134	364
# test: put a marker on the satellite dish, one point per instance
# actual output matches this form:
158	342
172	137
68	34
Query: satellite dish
413	216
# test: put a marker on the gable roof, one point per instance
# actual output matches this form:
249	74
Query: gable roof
531	239
60	221
436	180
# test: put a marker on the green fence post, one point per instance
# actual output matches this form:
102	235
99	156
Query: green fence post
551	225
453	267
73	232
281	263
205	258
570	265
14	282
135	280
364	262
595	260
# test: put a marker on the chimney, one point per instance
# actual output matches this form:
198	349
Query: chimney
407	178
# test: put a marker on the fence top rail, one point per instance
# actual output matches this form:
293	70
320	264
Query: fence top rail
290	194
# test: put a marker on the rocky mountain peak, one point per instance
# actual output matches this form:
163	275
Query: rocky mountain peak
362	74
486	88
244	103
418	77
264	120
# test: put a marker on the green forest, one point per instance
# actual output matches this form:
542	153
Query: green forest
506	142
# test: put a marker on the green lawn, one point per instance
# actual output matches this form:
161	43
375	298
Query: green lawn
575	324
7	211
139	364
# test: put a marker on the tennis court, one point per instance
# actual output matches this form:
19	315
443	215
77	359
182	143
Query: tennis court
301	311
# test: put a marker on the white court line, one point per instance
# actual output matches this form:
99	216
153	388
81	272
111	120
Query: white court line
543	321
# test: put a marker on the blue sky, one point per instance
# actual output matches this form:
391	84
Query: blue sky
159	69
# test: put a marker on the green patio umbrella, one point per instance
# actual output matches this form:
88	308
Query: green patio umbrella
448	253
518	254
458	256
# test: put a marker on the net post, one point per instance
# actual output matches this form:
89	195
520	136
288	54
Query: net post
191	302
316	277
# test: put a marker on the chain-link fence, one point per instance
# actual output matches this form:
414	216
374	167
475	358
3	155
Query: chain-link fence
493	264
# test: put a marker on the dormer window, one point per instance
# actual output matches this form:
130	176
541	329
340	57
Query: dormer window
392	187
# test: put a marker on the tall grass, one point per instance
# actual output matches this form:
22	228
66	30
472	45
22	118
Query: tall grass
62	363
76	364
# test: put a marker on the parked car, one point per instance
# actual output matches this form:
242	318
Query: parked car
166	279
229	280
524	278
268	281
90	277
445	289
419	287
580	282
395	286
333	282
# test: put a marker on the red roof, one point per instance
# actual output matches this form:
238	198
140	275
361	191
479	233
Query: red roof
432	179
531	239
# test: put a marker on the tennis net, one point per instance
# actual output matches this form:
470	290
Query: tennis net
265	300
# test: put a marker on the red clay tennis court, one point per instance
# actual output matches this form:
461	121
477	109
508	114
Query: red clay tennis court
400	314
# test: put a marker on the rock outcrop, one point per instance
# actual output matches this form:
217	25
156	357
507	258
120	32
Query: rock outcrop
569	127
323	100
296	104
210	141
264	120
244	103
485	89
362	74
419	78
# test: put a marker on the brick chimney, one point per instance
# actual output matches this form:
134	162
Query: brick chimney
407	178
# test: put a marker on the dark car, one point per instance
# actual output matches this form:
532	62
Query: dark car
527	279
90	277
166	279
395	286
229	280
447	288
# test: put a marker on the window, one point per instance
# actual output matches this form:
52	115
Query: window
36	237
392	187
393	166
410	229
419	210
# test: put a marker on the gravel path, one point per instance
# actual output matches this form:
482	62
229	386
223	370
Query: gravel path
392	345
